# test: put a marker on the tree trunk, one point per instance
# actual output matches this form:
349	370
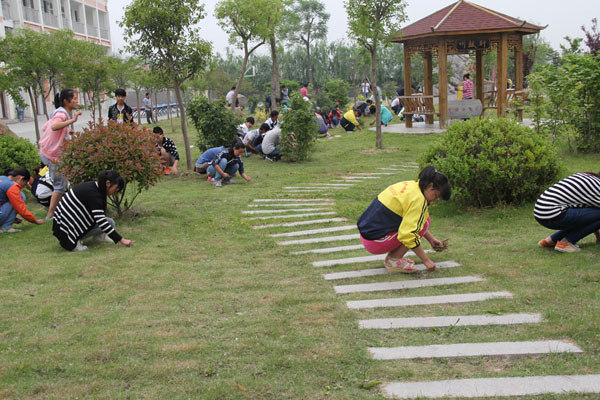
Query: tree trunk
44	105
378	138
35	115
99	106
93	106
169	108
275	89
241	78
137	99
310	76
186	141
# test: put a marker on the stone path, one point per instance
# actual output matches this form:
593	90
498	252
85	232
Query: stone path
488	387
427	300
493	387
473	350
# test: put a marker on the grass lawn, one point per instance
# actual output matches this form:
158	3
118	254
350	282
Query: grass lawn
203	306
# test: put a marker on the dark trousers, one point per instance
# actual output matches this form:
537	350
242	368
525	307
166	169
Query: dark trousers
574	224
347	125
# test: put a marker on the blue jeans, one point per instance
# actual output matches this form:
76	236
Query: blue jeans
95	230
231	170
334	121
574	224
8	214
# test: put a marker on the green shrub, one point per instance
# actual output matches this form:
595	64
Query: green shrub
293	86
299	120
489	162
337	90
125	148
216	125
17	153
566	99
323	101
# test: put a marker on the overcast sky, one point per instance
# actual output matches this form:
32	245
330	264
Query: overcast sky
563	18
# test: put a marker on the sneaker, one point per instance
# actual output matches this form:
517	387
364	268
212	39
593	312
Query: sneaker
566	247
103	238
217	184
228	182
80	247
210	179
546	243
269	159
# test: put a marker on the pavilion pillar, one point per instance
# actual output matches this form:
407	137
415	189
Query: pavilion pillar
502	74
428	64
480	72
443	81
407	83
519	73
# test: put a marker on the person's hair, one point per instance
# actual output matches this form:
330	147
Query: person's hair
264	127
120	92
468	76
109	176
440	181
237	144
250	119
359	112
372	109
282	86
274	113
233	88
19	172
64	95
369	101
158	129
147	93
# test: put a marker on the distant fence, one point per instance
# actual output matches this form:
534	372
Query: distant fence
159	110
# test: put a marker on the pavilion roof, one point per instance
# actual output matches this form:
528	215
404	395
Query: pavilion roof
464	17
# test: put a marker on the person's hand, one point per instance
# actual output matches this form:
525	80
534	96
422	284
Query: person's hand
126	242
76	115
247	178
174	170
226	175
39	221
430	265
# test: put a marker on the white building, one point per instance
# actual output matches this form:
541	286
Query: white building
88	19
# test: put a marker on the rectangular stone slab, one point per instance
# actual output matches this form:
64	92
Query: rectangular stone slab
288	200
497	349
314	231
290	204
320	240
426	300
293	215
391	169
332	184
354	260
317	187
374	173
454	320
331	249
360	177
493	387
405	284
382	271
298	223
284	211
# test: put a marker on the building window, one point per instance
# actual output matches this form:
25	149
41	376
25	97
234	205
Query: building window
28	3
48	7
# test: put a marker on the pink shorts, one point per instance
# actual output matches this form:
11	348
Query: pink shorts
389	242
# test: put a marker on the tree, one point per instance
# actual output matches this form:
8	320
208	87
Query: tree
248	22
306	22
164	34
592	37
373	23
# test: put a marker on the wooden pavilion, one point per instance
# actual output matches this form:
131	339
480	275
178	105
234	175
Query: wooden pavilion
458	29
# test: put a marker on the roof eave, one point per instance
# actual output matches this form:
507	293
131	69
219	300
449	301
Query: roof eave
523	30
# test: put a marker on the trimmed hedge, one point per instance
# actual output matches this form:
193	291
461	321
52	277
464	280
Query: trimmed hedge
17	153
490	162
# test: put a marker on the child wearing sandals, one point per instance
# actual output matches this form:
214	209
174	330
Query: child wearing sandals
398	218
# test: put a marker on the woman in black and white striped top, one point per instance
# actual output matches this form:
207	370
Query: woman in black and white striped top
573	207
80	213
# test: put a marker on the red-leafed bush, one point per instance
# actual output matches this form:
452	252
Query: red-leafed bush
127	149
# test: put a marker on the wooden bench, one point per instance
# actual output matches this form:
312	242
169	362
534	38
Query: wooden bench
515	99
416	104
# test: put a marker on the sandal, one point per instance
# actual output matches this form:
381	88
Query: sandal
10	230
403	265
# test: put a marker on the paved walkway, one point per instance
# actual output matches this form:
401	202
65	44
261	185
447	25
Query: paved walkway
421	128
26	129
